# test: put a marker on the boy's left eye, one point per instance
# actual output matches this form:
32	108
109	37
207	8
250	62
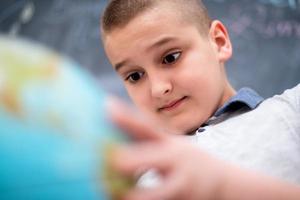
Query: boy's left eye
171	58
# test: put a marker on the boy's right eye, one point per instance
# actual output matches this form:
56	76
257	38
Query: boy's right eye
134	77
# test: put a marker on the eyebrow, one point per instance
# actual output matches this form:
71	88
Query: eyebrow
160	42
120	65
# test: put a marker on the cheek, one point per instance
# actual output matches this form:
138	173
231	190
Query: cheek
202	79
195	76
206	70
139	97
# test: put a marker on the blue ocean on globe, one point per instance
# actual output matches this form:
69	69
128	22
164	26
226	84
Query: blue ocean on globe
54	132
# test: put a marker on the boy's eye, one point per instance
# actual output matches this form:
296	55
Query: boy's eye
135	76
171	58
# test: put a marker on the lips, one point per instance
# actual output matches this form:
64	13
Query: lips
172	105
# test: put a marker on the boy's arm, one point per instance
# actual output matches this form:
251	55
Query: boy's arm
242	184
186	171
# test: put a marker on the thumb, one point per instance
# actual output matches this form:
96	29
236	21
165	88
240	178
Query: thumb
137	158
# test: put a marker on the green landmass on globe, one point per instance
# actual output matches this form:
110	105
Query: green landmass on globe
55	137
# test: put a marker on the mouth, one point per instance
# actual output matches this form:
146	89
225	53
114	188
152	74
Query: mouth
173	104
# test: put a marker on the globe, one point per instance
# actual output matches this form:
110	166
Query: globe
55	136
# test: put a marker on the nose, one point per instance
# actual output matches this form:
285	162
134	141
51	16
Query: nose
161	85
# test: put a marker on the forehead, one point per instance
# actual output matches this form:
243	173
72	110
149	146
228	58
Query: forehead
155	22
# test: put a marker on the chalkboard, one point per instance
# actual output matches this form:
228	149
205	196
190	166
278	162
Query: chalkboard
265	36
266	40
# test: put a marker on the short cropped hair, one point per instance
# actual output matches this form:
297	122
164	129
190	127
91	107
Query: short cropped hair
118	13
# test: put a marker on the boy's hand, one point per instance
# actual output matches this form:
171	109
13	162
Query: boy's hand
186	172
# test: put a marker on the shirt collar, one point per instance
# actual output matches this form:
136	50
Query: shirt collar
244	97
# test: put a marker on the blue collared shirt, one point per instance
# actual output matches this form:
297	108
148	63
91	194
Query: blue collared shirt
245	97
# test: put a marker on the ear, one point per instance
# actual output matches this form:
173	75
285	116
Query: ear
221	41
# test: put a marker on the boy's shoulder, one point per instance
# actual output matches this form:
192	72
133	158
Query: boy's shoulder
245	97
247	100
290	97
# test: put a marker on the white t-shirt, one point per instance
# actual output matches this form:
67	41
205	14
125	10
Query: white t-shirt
266	139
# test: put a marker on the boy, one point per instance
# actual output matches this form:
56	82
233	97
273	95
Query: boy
172	56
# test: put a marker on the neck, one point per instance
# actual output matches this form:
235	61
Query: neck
229	92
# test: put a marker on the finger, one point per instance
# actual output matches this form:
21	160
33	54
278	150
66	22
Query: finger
175	186
133	124
170	188
141	157
143	194
174	176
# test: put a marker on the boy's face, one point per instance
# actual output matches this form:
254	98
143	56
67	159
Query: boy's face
171	72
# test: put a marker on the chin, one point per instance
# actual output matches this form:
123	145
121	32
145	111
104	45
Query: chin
181	126
183	130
